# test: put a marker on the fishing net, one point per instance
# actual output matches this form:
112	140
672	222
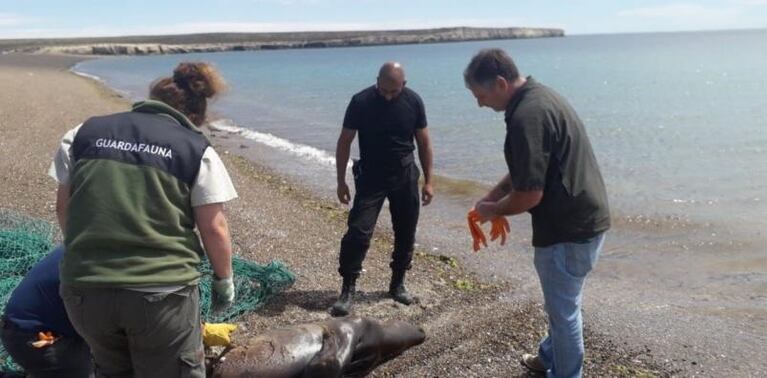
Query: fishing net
253	285
24	241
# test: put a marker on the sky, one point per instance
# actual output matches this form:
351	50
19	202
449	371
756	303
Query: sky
87	18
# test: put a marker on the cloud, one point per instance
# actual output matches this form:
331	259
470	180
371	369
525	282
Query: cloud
285	2
683	16
682	10
750	3
10	19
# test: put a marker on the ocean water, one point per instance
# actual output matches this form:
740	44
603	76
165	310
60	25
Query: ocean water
678	121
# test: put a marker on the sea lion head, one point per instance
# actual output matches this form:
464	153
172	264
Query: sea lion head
399	336
380	342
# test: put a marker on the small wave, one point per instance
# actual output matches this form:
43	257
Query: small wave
123	93
461	188
300	150
83	74
694	201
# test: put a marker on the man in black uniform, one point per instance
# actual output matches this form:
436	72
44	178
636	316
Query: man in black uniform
388	117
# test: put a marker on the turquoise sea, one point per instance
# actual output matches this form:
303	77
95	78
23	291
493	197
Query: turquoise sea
678	120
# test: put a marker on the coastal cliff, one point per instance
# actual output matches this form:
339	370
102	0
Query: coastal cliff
217	42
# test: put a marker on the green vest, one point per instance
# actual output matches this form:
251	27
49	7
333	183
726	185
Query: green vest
130	221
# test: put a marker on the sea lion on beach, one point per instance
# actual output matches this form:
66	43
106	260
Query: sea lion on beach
340	347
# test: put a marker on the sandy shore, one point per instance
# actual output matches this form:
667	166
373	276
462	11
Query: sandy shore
471	332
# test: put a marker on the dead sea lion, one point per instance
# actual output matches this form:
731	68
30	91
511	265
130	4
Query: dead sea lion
339	347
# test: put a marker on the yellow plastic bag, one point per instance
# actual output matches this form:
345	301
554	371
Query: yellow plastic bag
217	334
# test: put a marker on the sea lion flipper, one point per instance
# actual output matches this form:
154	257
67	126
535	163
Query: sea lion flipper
325	363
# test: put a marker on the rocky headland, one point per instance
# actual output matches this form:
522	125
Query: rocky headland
217	42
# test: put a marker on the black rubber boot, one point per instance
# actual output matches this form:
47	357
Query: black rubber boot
397	288
343	304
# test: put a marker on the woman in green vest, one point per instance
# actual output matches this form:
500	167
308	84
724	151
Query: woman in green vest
133	186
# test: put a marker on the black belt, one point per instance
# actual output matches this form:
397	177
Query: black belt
389	165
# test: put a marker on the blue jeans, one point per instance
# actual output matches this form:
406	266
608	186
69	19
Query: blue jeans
562	269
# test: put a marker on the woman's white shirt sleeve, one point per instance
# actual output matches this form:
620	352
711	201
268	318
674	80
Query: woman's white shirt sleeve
213	184
62	162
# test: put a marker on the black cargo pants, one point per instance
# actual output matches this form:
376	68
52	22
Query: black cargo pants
373	186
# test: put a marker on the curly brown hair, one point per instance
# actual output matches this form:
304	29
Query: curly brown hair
189	88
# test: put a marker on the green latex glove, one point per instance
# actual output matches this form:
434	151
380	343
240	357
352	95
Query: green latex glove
223	294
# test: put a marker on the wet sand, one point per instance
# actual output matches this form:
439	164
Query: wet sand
471	332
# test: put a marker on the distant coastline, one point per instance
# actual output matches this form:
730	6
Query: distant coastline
218	42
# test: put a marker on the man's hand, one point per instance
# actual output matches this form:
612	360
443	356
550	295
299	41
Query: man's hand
502	189
481	201
486	210
343	193
489	197
343	148
222	295
427	193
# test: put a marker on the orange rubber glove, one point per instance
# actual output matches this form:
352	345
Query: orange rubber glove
500	228
477	235
44	339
